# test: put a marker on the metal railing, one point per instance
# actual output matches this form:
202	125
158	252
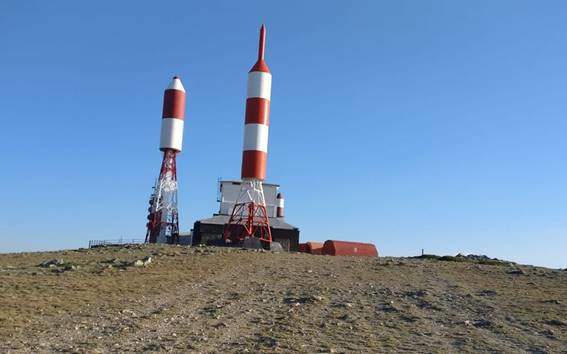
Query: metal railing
117	242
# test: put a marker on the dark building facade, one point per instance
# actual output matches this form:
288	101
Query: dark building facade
210	232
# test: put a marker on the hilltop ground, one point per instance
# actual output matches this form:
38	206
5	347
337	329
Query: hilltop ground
229	300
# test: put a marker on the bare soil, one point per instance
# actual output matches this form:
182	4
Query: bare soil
208	299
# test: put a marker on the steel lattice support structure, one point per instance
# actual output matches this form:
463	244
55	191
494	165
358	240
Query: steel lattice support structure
249	217
163	224
163	217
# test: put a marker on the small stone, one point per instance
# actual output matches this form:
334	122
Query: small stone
517	271
555	322
483	323
129	312
51	263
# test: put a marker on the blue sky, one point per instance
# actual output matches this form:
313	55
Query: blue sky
411	124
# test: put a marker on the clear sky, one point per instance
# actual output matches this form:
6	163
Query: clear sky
411	124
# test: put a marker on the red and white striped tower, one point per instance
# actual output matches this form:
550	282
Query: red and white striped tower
163	221
280	201
249	217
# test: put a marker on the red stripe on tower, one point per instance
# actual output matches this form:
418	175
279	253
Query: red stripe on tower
257	119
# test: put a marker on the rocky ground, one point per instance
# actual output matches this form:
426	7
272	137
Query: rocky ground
179	299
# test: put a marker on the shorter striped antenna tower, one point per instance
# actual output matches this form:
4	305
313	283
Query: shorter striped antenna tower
163	217
249	217
280	206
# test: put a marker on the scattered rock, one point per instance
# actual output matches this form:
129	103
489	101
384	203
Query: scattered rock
516	271
389	307
129	312
296	301
555	322
481	259
487	293
483	324
268	341
276	247
70	267
318	298
51	263
142	262
417	293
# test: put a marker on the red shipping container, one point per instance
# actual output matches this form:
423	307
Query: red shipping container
346	248
314	247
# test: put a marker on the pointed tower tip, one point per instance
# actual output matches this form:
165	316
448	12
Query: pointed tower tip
176	84
262	44
260	63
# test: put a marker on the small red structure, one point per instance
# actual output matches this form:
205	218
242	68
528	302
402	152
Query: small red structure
314	247
345	248
302	247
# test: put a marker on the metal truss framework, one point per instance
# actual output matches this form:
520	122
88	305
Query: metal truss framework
163	221
249	217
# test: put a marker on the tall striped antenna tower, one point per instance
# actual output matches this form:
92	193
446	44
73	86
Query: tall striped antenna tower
249	217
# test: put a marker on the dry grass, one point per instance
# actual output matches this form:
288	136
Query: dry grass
228	300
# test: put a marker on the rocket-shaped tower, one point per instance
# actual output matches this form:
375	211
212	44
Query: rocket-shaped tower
163	221
249	217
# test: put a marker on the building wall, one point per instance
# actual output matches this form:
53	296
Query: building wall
289	239
230	190
212	234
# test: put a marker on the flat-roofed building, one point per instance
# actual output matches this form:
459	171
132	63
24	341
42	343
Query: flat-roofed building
210	230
